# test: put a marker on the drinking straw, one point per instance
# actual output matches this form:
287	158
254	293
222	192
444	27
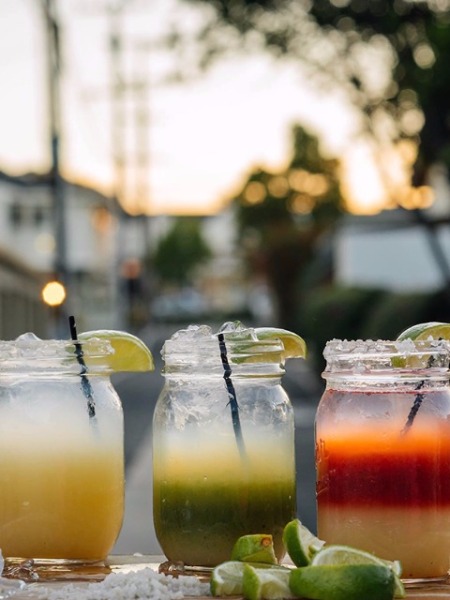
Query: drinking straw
234	407
415	407
85	383
417	400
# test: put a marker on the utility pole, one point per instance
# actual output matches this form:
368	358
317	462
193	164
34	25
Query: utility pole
142	189
117	103
130	165
53	39
118	123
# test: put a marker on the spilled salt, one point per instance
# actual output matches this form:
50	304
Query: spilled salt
145	584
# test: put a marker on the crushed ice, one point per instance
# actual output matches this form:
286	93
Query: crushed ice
233	330
193	332
9	587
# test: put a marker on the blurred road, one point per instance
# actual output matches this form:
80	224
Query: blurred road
139	393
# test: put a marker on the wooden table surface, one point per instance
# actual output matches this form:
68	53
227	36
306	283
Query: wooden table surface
126	564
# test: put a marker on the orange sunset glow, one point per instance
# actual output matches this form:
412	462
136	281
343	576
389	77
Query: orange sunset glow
202	138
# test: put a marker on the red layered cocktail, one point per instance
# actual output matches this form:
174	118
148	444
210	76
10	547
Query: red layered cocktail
383	482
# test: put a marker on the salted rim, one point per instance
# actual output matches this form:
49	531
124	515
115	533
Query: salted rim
408	347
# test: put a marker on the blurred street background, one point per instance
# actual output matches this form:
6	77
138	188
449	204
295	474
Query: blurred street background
166	162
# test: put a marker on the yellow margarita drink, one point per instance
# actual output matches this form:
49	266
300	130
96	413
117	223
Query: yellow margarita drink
61	455
60	498
206	495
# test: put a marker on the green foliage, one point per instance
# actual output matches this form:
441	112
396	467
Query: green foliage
180	252
334	312
413	35
280	216
397	311
360	313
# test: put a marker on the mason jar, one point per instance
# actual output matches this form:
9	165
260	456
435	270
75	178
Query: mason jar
223	445
383	452
61	451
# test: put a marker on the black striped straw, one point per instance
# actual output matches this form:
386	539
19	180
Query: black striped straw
234	407
418	399
85	383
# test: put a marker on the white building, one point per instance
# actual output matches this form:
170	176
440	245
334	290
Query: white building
390	251
395	250
28	233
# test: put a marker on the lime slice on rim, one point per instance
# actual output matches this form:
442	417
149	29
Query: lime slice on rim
300	543
294	345
267	584
347	555
130	352
256	548
424	331
343	582
421	332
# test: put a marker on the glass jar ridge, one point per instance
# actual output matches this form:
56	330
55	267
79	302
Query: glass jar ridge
363	361
196	350
29	354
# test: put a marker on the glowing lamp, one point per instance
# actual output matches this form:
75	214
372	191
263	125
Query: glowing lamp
54	293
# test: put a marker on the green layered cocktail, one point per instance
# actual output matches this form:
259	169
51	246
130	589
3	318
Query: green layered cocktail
223	442
204	499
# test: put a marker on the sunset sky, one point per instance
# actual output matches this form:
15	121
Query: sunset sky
203	137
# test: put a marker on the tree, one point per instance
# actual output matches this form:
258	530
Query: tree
180	252
281	215
338	42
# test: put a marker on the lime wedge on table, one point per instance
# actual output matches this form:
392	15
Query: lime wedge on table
343	582
294	345
300	543
226	578
130	352
423	331
267	584
255	547
346	555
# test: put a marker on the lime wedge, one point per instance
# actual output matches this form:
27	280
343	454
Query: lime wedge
343	582
130	352
424	331
226	578
255	548
346	555
300	543
294	345
267	584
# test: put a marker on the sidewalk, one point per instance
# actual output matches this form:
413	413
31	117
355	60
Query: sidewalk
138	533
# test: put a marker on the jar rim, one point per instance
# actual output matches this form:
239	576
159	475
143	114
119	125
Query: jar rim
199	342
367	348
360	358
51	350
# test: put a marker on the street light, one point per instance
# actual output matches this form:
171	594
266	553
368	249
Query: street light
54	293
